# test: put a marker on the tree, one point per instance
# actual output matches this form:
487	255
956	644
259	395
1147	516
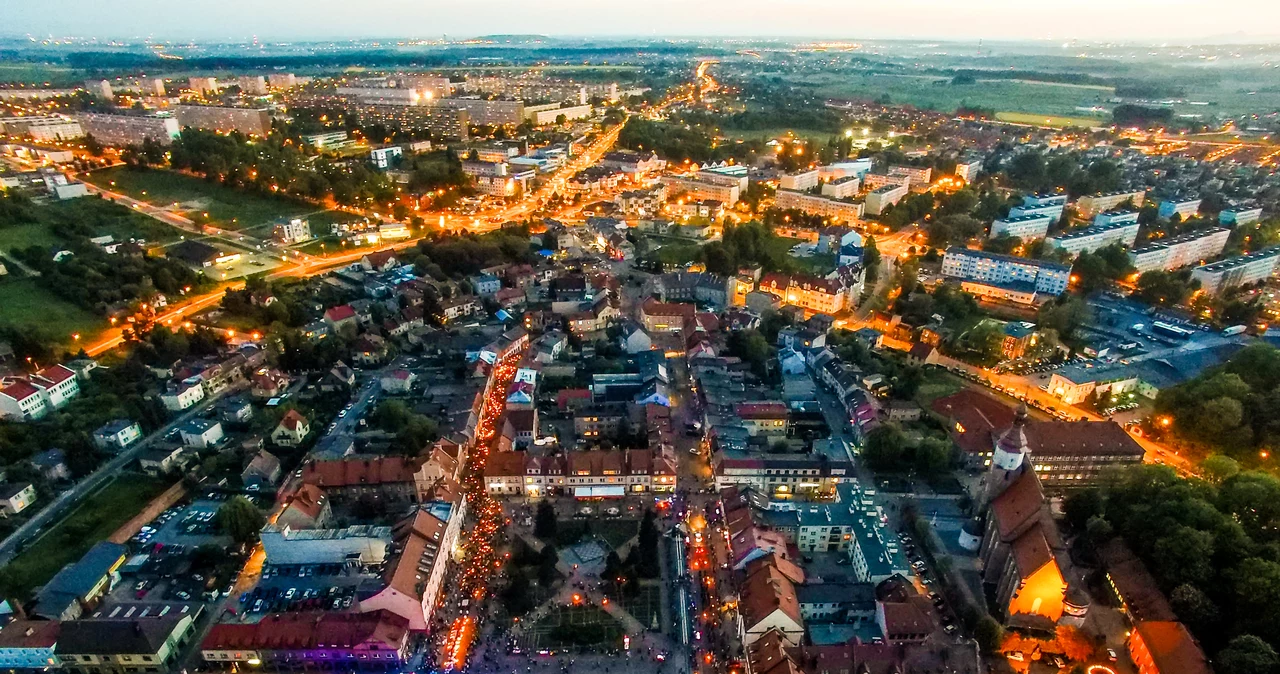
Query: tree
1064	315
1165	288
1027	170
933	456
544	521
647	564
1247	654
517	598
547	572
1219	467
988	633
885	447
240	519
752	348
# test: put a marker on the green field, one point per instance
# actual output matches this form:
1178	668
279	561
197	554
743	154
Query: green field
228	208
98	516
22	236
23	303
40	73
1057	121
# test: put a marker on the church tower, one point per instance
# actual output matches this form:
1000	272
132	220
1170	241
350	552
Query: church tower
1008	457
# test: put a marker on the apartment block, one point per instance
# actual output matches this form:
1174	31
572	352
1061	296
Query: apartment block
881	198
1025	227
874	181
1115	217
813	204
800	180
1240	216
1093	237
1184	208
122	130
1098	203
1180	251
1237	271
842	188
700	188
249	121
1004	276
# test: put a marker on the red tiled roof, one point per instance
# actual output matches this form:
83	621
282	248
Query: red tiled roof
1172	648
352	472
767	410
419	535
44	634
766	591
293	420
1031	551
340	313
905	618
306	630
1020	502
19	390
505	464
308	500
55	374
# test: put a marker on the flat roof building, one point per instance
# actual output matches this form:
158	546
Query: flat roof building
249	121
122	130
1180	251
1025	227
1093	237
1237	271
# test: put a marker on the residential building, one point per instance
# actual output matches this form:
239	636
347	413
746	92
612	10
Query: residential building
30	645
376	641
413	577
16	497
1237	271
46	390
328	140
881	198
1049	204
1005	276
1115	217
1095	236
292	430
124	130
1245	215
441	122
768	604
182	395
549	113
1182	250
162	460
781	473
1183	208
919	175
1025	227
117	435
52	465
249	121
308	509
1094	204
799	181
701	187
384	157
53	129
282	80
874	181
765	418
1166	647
152	643
263	471
968	169
813	204
821	295
201	86
201	433
845	187
484	112
292	230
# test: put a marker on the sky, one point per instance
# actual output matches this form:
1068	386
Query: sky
281	20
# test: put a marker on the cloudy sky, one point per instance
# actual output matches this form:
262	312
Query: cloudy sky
1145	20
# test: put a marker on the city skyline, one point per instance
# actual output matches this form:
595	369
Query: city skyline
1125	20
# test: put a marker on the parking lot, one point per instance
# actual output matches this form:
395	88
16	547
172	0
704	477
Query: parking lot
306	587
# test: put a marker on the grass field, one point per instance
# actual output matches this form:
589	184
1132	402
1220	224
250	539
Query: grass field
937	93
23	303
21	236
937	384
96	518
231	209
1057	121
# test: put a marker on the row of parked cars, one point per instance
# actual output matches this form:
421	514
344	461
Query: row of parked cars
275	599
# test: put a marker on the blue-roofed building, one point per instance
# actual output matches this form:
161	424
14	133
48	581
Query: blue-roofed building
79	587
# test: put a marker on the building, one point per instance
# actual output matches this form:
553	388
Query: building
881	198
874	181
766	418
813	204
283	544
376	641
117	435
484	112
29	645
1237	271
845	187
201	433
916	174
1050	204
182	395
1094	204
201	86
249	121
252	85
820	295
1095	236
16	497
702	187
768	604
282	80
550	113
328	140
1166	647
153	642
1183	208
799	181
1180	251
78	587
291	231
1025	227
384	157
53	129
1005	276
781	474
413	577
48	389
292	430
1115	217
123	130
968	169
444	123
1239	215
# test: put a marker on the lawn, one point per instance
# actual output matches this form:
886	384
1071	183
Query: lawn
97	517
23	303
616	532
22	236
567	626
677	253
937	384
1058	121
231	209
646	606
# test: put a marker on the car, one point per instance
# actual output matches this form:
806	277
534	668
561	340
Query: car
341	414
949	629
257	606
290	593
1017	656
1111	654
184	595
346	601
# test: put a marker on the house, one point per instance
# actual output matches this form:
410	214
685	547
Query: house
458	307
340	316
922	354
635	339
309	509
116	435
291	430
160	460
549	347
263	471
268	382
520	427
201	433
78	587
369	350
16	497
486	285
310	641
29	645
397	382
235	410
138	644
179	396
340	377
905	622
768	603
380	261
52	465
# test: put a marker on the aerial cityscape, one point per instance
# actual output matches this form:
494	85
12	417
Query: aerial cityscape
569	338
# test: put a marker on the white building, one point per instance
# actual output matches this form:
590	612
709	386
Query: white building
541	115
842	188
881	198
363	543
1093	237
1240	216
123	130
1237	271
16	497
201	86
1051	205
700	188
968	169
282	80
801	180
1183	208
252	85
1115	217
117	435
1024	275
1025	227
293	230
917	175
813	204
182	395
53	129
382	156
1180	251
201	433
46	390
1094	204
874	181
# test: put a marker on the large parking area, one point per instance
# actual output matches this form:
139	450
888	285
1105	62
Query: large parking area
305	587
